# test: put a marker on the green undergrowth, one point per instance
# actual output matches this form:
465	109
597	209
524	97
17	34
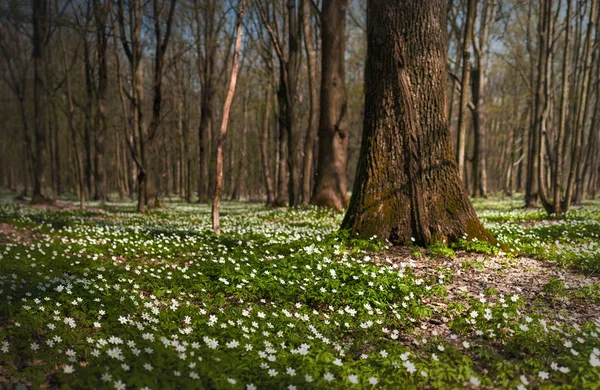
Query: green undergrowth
107	298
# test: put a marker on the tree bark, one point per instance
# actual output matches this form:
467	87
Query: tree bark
216	204
461	143
408	187
39	41
479	113
313	114
101	12
264	145
330	181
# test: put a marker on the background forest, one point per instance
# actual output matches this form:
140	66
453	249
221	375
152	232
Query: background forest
121	120
97	91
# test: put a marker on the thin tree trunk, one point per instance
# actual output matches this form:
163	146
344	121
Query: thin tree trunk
461	141
216	204
264	145
101	16
558	161
39	41
313	118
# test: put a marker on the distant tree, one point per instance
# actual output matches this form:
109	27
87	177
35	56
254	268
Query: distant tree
407	186
40	41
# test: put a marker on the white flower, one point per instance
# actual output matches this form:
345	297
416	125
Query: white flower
524	379
273	372
353	378
328	376
474	381
338	362
119	385
148	366
594	360
250	386
410	367
373	380
68	369
308	378
232	381
543	375
291	371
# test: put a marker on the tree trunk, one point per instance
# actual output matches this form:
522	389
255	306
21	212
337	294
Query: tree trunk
101	12
408	187
294	136
264	145
331	182
461	143
479	85
216	204
240	188
282	196
531	184
313	118
40	32
557	190
576	155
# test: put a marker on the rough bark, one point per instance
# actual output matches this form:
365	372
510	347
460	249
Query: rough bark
408	187
330	180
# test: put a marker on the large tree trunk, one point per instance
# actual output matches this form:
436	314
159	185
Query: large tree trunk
331	182
408	187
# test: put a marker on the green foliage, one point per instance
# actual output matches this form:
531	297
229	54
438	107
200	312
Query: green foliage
109	298
440	249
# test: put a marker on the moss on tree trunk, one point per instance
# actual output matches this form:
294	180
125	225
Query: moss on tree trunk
408	188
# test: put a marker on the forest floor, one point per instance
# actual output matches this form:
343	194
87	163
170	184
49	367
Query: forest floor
107	298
